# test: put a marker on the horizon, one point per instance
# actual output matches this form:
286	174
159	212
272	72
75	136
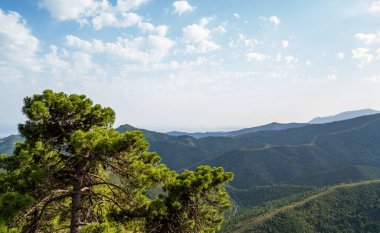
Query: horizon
192	65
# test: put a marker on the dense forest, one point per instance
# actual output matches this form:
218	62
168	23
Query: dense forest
342	208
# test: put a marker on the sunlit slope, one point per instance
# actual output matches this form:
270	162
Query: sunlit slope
342	208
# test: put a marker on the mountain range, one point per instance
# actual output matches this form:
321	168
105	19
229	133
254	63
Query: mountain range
267	127
343	116
279	126
275	161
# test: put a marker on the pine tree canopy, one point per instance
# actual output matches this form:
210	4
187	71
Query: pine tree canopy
75	173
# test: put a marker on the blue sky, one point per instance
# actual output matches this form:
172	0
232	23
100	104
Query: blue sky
193	65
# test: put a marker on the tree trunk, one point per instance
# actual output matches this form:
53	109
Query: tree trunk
76	206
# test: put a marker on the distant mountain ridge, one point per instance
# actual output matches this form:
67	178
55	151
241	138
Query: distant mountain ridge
268	127
274	126
343	116
7	144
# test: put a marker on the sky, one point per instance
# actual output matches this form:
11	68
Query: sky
196	65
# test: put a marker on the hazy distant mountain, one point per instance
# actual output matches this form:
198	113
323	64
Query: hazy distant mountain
343	116
7	144
271	126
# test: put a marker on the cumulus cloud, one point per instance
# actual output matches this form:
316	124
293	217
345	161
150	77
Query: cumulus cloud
341	56
152	48
110	19
256	57
69	9
275	20
368	38
181	7
374	7
198	37
362	54
18	47
99	13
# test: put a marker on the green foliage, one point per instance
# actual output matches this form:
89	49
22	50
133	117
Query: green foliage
261	194
195	202
11	203
74	170
343	208
53	117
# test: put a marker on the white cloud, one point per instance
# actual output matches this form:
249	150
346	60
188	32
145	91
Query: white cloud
199	38
99	13
377	52
69	9
368	38
275	20
18	47
109	19
196	33
181	7
243	40
236	15
127	5
362	54
152	48
340	55
270	20
205	46
278	57
285	44
256	57
54	61
221	29
374	7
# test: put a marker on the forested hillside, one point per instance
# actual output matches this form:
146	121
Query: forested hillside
278	163
343	208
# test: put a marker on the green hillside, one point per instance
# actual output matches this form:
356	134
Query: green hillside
342	208
339	157
272	164
7	144
186	152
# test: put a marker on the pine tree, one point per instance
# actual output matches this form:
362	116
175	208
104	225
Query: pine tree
73	171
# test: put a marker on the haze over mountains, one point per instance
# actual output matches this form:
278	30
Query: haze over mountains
343	116
268	127
279	126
